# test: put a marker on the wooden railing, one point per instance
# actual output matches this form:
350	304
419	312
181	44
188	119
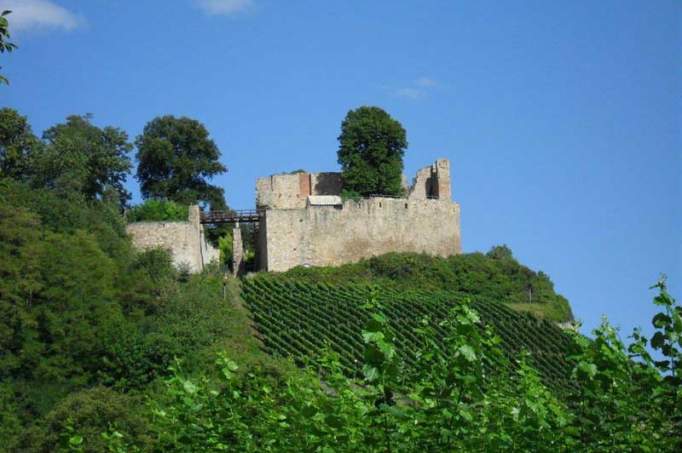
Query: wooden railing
218	217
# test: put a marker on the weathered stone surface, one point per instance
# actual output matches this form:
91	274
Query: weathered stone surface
324	200
326	231
432	182
184	240
327	235
291	191
305	222
237	251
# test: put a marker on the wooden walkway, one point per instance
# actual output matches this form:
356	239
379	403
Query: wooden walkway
222	217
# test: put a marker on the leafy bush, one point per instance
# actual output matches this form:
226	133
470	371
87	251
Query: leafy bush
154	210
225	248
85	415
10	421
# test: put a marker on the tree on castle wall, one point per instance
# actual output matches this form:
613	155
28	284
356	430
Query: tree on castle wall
371	150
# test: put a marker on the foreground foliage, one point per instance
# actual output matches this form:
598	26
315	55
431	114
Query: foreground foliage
458	400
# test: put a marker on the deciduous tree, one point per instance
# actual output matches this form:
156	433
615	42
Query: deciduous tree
176	159
81	157
17	143
371	149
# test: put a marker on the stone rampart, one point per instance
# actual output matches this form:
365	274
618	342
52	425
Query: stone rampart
185	240
320	235
305	222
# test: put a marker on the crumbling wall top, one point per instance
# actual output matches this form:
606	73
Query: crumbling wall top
432	182
291	191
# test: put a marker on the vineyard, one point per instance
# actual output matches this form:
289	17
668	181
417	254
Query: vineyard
298	320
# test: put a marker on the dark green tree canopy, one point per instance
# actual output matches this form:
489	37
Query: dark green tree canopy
176	157
16	144
372	145
79	156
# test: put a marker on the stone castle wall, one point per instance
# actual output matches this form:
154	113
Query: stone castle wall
306	223
333	235
185	240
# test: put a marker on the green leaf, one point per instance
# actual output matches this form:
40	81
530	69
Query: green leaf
468	352
370	372
661	320
658	340
189	387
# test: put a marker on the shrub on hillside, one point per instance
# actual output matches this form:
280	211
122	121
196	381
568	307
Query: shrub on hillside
80	419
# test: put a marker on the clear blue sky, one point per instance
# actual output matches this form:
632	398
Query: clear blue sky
562	120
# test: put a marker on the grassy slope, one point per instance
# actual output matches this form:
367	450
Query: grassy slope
503	279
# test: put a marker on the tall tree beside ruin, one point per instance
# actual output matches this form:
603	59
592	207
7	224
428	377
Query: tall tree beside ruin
176	158
371	150
78	156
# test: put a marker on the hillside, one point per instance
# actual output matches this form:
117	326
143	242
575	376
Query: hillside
496	276
299	319
104	348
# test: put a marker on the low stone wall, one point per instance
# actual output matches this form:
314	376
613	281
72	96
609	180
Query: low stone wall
333	235
184	240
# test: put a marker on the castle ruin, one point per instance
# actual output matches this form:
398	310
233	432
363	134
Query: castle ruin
301	220
304	221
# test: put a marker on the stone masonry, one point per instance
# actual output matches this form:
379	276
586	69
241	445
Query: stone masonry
185	240
237	251
306	223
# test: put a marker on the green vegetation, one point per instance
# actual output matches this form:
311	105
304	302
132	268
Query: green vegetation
87	322
371	149
84	158
157	210
107	349
17	143
73	157
492	276
465	394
